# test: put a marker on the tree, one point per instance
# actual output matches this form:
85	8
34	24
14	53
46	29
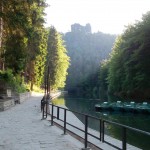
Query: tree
1	34
129	62
116	69
103	74
35	34
40	61
22	27
57	59
15	53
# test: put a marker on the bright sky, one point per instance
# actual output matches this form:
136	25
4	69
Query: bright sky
108	16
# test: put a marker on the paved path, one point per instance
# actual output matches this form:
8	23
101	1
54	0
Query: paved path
21	128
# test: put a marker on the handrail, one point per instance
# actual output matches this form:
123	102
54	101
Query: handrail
65	122
102	127
128	127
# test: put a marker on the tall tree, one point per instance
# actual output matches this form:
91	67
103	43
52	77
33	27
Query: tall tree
57	59
129	65
22	27
35	34
1	34
15	53
40	61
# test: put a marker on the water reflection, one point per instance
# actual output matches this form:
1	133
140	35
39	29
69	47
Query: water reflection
134	120
59	101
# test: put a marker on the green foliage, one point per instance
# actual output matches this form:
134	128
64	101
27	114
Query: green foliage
23	41
129	63
15	53
37	39
90	87
116	70
6	76
57	59
40	60
103	74
15	82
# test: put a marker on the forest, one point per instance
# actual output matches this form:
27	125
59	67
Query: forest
126	73
78	60
104	63
28	49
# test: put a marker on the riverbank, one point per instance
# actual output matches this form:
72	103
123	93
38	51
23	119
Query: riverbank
86	106
72	119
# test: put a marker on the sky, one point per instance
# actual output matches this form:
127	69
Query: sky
107	16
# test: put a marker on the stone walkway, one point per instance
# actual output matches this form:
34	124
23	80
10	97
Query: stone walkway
21	128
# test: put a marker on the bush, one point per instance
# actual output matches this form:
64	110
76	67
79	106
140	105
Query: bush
15	82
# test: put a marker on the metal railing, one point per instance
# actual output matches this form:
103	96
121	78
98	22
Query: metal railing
102	124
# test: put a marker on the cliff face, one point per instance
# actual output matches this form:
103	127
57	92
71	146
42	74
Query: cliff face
79	28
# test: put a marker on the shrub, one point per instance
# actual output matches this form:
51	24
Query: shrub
15	82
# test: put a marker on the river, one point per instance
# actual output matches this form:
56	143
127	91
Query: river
138	121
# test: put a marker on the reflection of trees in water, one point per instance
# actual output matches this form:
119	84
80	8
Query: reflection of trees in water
59	101
134	120
133	137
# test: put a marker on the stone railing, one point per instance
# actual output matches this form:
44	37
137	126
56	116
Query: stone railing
21	97
24	96
6	104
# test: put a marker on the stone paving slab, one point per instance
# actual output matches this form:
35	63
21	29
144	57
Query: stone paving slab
21	128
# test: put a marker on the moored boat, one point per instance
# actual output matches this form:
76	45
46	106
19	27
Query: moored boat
98	107
119	106
130	107
105	106
143	108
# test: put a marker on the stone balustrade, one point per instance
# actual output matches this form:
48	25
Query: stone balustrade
6	104
21	97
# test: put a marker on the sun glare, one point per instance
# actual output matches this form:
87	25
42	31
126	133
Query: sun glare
109	16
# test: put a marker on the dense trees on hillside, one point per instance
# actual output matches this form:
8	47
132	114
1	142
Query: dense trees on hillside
128	67
28	49
86	51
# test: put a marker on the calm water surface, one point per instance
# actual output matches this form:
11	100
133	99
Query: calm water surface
134	120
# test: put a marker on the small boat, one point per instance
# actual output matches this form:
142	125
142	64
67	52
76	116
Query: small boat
143	108
98	107
105	106
119	106
131	107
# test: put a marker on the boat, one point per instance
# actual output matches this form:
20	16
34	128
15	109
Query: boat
129	107
117	106
105	106
143	108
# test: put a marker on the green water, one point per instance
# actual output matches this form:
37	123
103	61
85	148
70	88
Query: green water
138	121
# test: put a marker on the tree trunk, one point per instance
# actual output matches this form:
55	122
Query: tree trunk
1	37
31	87
1	25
